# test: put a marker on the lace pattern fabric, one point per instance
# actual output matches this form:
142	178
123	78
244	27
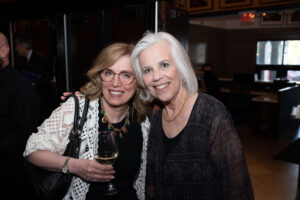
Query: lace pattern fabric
139	184
53	136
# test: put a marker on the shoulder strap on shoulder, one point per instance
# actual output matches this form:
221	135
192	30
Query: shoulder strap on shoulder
76	111
84	113
76	124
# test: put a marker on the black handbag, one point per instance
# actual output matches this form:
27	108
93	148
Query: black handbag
48	185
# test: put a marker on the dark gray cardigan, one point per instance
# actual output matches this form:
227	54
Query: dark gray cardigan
205	161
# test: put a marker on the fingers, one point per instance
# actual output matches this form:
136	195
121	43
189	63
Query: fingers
65	94
102	178
102	167
98	177
96	172
103	173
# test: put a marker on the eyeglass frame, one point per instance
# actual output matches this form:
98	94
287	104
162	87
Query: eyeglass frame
114	73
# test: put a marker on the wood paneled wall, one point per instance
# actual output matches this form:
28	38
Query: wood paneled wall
234	51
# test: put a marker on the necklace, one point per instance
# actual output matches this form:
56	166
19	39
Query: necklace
110	127
170	120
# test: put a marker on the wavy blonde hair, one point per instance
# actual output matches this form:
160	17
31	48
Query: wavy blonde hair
107	57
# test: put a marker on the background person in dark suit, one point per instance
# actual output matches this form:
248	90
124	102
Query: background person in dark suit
37	69
19	112
36	63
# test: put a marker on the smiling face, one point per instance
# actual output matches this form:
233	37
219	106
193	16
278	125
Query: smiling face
160	73
114	92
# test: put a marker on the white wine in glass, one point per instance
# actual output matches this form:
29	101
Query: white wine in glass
106	153
106	158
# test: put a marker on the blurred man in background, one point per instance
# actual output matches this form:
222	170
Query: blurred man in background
19	113
38	71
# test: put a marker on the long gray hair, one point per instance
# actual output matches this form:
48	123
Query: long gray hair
178	53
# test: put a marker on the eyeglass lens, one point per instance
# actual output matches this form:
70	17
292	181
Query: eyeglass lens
124	77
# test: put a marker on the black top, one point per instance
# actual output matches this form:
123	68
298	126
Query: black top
171	143
204	161
127	164
19	112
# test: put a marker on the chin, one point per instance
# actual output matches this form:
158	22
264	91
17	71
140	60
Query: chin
165	97
161	98
116	103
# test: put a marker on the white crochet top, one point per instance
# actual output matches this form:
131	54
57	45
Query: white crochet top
53	135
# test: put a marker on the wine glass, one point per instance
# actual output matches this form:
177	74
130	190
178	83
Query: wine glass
106	153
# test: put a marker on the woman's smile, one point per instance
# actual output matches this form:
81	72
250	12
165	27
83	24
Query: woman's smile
162	86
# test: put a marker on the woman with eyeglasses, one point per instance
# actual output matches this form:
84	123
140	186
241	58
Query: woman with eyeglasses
115	104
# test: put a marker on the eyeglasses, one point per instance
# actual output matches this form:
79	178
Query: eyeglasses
124	77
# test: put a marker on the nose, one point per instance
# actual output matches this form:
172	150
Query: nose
156	75
116	80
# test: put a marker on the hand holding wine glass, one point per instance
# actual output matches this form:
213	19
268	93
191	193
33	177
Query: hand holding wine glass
106	153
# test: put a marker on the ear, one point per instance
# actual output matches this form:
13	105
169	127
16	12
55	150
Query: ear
4	51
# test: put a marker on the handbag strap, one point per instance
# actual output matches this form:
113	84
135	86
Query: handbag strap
73	147
76	125
76	104
84	113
